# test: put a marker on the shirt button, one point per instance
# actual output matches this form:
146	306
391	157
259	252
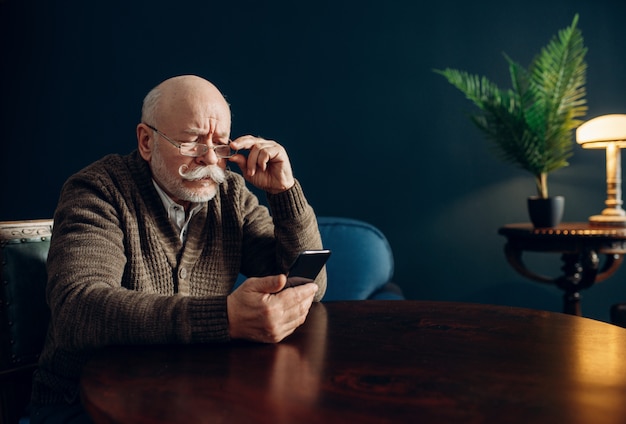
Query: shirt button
182	273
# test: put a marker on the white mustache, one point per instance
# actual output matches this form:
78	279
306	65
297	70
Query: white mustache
213	172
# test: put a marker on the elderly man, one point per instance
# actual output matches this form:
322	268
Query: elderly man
146	247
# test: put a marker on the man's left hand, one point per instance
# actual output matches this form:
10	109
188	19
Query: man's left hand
266	166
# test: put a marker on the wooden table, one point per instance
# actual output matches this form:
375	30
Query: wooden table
377	362
581	246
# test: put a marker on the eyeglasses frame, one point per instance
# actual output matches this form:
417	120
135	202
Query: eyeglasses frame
205	147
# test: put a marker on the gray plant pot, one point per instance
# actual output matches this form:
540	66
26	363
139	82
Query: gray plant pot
545	213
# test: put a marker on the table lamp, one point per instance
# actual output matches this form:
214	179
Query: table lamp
607	132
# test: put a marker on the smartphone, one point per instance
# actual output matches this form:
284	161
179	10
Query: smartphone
306	267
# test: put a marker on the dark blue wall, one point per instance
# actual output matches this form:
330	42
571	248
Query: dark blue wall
346	86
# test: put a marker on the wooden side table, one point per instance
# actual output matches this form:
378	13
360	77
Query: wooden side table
581	245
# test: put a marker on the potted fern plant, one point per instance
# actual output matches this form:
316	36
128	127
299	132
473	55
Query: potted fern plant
531	124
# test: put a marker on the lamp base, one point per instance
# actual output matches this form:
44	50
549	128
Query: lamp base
608	220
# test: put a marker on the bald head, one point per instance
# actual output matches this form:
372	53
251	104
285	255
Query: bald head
184	96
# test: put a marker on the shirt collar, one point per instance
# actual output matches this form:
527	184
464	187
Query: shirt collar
175	211
167	200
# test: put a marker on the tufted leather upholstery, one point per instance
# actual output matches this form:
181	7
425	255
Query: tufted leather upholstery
24	314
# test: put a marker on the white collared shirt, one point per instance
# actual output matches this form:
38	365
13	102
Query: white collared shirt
176	212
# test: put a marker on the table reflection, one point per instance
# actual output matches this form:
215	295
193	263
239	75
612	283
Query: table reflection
297	366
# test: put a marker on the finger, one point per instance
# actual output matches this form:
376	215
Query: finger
240	160
253	157
265	285
245	142
305	291
261	151
292	312
296	316
301	293
297	302
263	156
248	142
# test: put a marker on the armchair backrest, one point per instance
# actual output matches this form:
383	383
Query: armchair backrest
24	314
361	265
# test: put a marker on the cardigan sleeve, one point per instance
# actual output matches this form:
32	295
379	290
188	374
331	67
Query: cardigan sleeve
272	241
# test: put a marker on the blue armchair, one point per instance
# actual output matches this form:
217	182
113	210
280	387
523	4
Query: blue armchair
361	265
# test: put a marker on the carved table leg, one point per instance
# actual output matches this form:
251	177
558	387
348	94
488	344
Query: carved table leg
580	271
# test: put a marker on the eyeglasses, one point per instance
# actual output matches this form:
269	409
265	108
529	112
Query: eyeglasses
193	149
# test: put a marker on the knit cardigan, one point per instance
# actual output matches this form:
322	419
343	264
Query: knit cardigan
118	272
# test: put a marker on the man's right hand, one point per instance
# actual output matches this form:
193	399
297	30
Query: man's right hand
258	310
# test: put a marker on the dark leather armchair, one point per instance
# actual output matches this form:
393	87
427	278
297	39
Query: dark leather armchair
24	314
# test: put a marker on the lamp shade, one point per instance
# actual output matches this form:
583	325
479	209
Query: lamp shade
599	132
